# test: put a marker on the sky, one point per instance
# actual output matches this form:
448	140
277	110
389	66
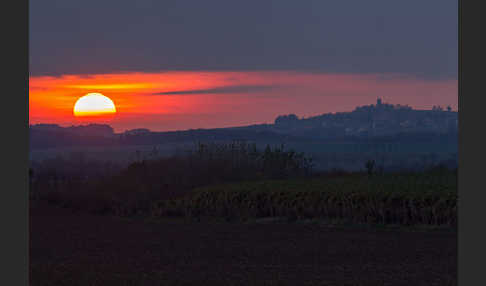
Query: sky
170	65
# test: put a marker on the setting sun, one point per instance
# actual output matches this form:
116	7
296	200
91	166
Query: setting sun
94	104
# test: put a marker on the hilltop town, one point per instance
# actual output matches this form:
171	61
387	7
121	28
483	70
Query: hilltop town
369	121
380	119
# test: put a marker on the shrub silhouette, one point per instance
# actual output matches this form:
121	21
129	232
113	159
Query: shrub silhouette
143	181
370	166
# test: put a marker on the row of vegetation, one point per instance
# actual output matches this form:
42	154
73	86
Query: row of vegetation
237	181
406	199
135	188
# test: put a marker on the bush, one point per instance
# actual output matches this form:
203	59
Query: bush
133	189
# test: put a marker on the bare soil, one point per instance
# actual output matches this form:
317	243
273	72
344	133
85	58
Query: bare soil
69	248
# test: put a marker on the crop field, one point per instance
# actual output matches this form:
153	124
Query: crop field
226	215
403	199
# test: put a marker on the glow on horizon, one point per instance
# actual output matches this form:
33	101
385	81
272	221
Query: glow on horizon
202	99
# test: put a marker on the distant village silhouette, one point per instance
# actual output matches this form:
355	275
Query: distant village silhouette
380	119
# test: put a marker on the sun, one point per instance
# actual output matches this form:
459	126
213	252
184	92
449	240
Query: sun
94	104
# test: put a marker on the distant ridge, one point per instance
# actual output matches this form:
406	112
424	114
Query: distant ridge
375	121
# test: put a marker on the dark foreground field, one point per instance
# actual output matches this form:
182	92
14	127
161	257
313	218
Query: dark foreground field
81	249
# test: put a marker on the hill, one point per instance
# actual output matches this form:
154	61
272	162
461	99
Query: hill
399	135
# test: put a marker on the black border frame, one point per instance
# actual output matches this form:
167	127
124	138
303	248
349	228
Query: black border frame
471	209
15	247
15	204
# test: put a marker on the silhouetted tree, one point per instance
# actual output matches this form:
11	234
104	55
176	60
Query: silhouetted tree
370	165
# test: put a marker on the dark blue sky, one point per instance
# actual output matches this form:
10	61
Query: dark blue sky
415	37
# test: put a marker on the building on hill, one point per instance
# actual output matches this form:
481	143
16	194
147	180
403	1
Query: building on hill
137	131
286	121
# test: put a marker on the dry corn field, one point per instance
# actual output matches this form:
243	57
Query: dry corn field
404	199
